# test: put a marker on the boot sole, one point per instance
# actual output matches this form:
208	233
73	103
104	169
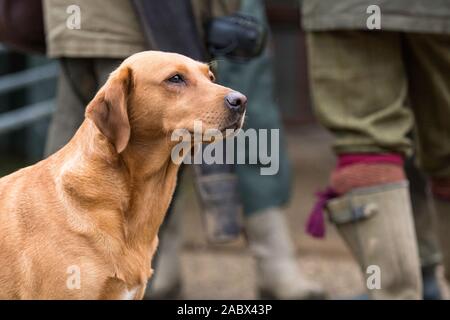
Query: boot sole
268	295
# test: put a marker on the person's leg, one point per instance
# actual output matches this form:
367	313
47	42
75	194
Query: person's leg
429	66
359	88
429	251
264	196
69	112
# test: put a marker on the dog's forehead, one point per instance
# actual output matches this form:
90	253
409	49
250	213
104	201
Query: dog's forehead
160	60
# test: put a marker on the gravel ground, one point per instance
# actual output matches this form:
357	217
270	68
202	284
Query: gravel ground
227	272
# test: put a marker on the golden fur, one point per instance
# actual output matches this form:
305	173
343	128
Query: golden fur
97	204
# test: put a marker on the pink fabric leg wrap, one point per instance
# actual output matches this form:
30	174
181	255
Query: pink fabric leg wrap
354	171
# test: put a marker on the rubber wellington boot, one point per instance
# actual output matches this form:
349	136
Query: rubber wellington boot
429	251
277	270
442	209
217	187
377	224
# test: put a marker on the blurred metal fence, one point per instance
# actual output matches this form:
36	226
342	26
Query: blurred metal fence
23	116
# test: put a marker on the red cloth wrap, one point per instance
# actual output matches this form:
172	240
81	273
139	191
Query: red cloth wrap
354	171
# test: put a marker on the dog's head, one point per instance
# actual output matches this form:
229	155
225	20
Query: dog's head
152	94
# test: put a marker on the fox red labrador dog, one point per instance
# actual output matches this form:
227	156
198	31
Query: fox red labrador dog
83	223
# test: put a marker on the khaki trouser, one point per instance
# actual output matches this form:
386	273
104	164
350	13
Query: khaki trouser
368	88
363	83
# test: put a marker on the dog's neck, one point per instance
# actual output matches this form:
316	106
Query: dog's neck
152	176
131	192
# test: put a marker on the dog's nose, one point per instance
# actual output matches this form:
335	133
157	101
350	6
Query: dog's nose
236	101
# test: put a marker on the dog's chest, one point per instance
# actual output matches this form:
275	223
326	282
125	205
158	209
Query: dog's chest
129	294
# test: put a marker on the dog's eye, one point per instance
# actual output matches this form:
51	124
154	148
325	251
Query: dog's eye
176	79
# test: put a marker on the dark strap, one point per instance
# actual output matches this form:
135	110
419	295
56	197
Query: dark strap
169	25
75	69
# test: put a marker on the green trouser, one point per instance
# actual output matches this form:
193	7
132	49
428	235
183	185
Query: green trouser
255	80
369	86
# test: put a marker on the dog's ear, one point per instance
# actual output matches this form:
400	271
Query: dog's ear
109	111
